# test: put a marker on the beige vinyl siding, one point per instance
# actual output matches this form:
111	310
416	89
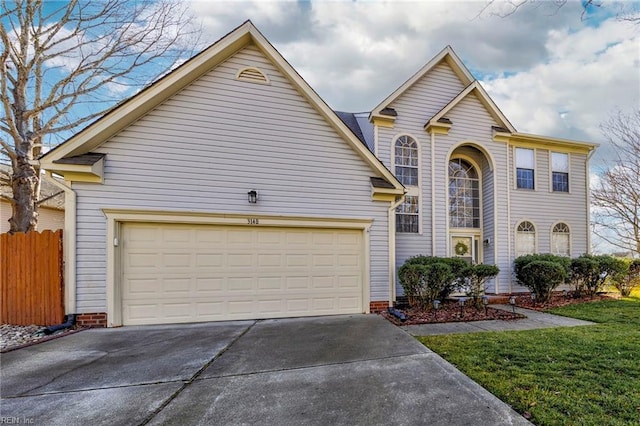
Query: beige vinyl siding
5	215
544	208
415	107
48	218
203	149
472	124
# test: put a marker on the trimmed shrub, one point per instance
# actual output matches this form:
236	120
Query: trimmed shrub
608	268
582	271
438	278
475	278
522	261
411	278
424	283
542	277
456	265
629	278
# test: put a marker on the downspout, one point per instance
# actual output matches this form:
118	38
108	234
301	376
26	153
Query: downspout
69	322
509	174
69	243
588	189
392	249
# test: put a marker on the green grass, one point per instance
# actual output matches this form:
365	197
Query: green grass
564	376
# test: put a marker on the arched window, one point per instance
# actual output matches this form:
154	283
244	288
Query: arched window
464	195
560	240
525	239
406	161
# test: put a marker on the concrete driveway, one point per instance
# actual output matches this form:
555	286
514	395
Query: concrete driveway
356	369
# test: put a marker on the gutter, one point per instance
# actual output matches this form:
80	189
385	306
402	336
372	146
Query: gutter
69	243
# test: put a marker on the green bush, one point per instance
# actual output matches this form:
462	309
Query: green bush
424	282
456	265
608	268
542	277
628	279
475	278
522	261
411	278
582	271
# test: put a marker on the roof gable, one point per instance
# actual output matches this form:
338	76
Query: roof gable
475	88
137	106
449	56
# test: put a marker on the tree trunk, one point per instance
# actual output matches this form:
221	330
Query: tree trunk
24	183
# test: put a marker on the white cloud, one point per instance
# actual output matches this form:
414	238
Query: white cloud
550	71
589	73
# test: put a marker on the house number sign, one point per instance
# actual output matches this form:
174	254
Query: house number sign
253	221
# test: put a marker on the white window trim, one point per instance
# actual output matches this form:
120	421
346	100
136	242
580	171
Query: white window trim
536	234
551	172
535	169
412	191
480	193
553	225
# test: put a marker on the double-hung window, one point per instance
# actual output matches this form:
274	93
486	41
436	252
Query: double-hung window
525	168
560	172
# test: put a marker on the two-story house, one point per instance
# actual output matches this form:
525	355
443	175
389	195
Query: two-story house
229	189
476	187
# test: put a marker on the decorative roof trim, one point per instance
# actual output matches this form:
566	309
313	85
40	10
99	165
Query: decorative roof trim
449	56
484	98
137	106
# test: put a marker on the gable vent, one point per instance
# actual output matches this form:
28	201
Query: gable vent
253	75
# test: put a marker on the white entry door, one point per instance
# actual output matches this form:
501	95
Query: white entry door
465	247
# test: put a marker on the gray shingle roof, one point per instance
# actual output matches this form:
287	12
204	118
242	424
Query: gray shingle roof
349	119
88	159
378	182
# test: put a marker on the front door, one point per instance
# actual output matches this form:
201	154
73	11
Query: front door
465	247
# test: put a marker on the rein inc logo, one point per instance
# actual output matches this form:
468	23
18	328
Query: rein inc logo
10	420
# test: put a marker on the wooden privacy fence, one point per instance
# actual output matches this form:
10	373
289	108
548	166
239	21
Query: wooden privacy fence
31	278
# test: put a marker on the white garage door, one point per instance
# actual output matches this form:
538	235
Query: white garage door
188	273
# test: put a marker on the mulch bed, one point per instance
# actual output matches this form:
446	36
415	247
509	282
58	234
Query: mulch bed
449	311
560	299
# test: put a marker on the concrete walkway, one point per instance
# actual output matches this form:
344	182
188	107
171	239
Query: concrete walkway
533	321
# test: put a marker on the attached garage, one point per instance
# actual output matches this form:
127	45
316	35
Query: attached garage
209	196
173	273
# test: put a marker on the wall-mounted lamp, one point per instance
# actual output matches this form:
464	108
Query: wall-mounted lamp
253	196
486	242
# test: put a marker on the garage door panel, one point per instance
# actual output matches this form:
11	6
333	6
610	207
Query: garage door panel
209	285
270	283
209	260
188	273
137	259
176	260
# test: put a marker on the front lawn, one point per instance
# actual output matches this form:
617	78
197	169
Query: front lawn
565	376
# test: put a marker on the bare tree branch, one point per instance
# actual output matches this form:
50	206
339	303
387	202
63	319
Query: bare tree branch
616	197
65	64
626	11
